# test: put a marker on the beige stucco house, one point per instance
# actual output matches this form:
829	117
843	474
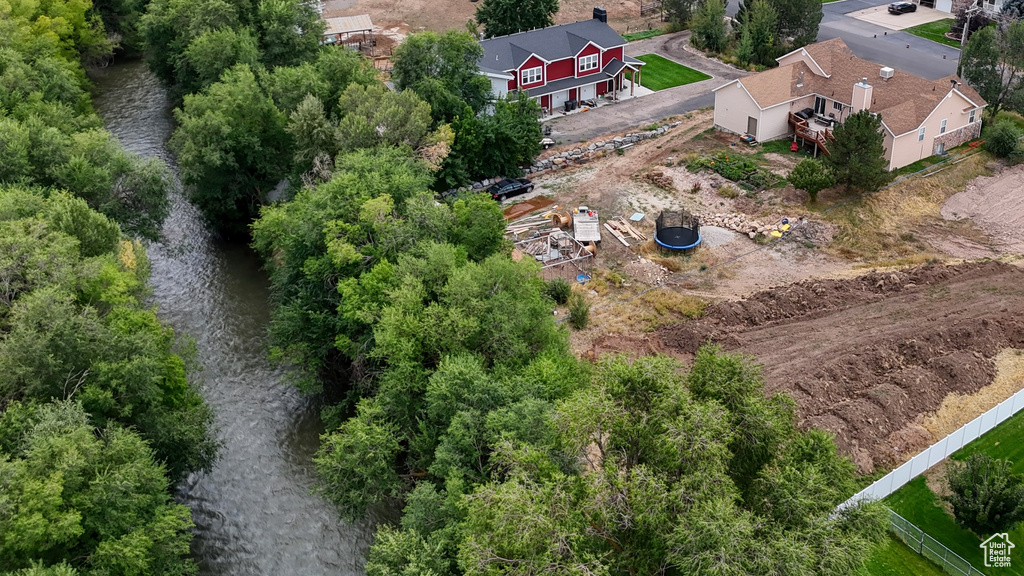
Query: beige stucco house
919	117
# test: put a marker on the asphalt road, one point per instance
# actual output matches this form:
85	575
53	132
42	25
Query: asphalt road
871	42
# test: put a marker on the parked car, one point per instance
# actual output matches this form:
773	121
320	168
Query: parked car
510	187
902	7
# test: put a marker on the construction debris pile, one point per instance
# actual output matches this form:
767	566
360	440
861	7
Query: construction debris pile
744	224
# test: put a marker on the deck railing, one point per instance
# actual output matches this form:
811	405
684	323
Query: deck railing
802	129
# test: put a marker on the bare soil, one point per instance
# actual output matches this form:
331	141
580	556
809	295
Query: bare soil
443	15
996	204
867	357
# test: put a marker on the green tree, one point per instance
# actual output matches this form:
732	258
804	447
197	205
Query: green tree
374	116
679	12
442	69
289	31
799	20
811	177
985	495
72	325
503	17
98	501
709	27
210	54
759	41
857	156
232	148
169	26
993	64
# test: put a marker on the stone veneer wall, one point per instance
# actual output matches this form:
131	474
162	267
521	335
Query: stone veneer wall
957	137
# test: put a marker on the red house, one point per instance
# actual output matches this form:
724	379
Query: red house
577	61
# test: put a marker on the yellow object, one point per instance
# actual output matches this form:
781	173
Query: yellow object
785	227
776	234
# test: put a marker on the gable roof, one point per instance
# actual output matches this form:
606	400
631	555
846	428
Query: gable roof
551	43
904	101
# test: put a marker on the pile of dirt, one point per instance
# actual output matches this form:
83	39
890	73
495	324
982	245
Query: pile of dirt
866	357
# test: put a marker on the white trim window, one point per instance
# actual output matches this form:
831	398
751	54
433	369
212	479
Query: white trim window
920	134
970	119
532	75
942	127
588	63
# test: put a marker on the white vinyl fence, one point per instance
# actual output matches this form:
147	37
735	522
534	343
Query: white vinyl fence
940	450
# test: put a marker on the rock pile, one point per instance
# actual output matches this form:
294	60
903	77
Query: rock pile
578	155
740	223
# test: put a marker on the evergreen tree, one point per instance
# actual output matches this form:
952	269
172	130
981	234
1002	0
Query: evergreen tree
759	42
503	17
709	26
857	157
993	63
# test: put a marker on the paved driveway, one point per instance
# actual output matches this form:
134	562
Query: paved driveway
880	15
636	112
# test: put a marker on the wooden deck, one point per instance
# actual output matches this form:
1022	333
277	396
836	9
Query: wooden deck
819	136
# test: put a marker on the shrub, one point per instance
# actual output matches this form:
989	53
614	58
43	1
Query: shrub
726	191
1017	156
986	497
579	312
1002	139
558	290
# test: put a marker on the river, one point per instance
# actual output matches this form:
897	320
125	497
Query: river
254	512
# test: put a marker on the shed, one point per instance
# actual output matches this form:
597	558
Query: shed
341	30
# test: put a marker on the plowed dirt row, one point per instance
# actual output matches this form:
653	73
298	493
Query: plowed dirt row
866	357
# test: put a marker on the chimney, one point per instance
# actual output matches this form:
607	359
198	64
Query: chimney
601	14
800	80
861	96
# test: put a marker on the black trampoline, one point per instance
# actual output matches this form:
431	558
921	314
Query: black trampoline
677	231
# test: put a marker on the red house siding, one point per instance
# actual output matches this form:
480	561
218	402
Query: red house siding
590	49
560	69
609	54
512	84
533	62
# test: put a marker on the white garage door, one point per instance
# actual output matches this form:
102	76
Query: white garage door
558	99
588	92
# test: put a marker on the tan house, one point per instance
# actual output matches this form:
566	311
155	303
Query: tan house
820	85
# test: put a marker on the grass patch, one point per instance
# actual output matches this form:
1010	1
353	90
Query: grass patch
935	31
643	34
1003	115
894	558
661	73
869	228
1003	441
918	504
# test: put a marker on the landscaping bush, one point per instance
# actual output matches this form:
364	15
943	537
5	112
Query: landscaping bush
1017	156
579	312
735	167
985	495
1003	139
558	290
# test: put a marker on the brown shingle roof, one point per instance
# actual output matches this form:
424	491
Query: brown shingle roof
904	101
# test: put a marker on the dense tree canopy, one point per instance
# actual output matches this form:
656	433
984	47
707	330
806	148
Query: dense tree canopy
759	36
232	148
709	27
74	497
985	494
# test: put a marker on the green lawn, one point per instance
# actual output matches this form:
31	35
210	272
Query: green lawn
1003	441
660	73
935	31
893	558
643	34
918	504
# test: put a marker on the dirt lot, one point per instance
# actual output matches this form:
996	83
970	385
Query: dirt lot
996	204
867	357
442	15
